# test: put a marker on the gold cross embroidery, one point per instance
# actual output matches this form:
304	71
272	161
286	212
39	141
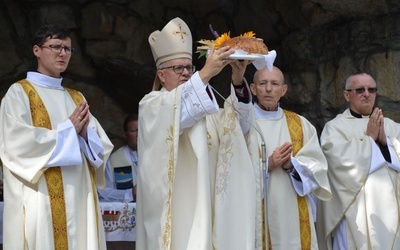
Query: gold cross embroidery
42	122
181	33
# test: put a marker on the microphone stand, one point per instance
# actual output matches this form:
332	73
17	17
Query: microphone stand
264	180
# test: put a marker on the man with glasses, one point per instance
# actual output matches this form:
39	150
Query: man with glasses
196	186
54	153
362	148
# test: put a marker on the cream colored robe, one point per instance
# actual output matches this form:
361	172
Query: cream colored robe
282	207
196	190
25	150
368	202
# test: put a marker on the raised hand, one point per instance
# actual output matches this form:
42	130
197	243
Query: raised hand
238	69
215	62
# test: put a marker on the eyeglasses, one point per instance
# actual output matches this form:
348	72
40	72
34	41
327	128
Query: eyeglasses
362	90
178	69
58	48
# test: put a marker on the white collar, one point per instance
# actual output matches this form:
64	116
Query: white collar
44	80
267	115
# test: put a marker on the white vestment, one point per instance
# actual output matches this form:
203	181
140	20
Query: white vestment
27	151
282	189
365	188
197	185
122	157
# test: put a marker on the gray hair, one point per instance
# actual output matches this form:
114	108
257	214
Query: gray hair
350	79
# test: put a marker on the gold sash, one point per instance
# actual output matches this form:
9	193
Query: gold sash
53	175
296	135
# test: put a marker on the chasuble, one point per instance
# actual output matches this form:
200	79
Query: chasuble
50	199
364	211
197	185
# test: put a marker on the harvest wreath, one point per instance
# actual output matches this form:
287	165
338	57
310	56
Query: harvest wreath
246	42
247	47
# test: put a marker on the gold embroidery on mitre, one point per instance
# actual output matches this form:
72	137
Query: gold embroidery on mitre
296	135
180	32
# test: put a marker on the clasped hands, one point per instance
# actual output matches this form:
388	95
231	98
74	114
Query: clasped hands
281	157
376	128
80	119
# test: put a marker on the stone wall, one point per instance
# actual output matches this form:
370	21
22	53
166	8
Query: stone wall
319	43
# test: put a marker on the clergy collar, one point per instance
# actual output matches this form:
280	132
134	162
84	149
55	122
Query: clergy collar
267	115
357	115
44	80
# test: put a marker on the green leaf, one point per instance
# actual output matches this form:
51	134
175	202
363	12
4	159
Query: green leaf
203	53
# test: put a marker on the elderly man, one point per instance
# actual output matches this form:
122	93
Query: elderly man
196	186
362	148
297	168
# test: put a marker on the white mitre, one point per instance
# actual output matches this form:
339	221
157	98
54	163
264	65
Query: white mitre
172	42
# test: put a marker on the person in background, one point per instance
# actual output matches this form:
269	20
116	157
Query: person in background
297	168
122	167
362	148
196	185
54	153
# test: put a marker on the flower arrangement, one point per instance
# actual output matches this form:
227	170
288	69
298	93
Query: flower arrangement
208	44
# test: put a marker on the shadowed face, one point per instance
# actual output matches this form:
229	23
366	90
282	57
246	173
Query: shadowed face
131	134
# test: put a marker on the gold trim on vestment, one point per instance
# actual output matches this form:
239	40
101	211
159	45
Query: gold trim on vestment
77	98
225	154
53	176
170	141
171	173
296	136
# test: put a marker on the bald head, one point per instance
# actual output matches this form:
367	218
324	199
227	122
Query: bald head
274	69
268	86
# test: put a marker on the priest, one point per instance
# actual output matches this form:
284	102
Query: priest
54	152
296	167
363	149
